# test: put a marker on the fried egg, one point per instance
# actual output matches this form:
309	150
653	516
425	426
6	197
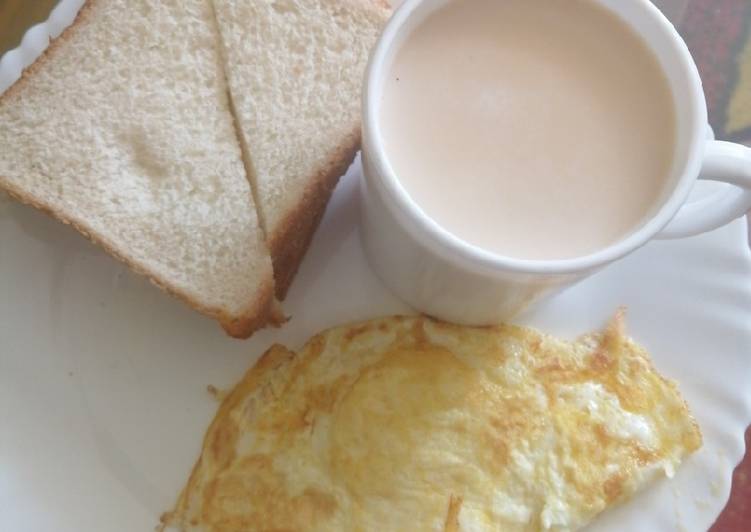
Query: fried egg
411	424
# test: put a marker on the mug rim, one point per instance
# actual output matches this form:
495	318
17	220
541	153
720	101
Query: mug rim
416	222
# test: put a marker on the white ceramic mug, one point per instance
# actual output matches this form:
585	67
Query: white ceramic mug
444	276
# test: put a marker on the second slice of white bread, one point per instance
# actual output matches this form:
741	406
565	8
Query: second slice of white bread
123	129
295	69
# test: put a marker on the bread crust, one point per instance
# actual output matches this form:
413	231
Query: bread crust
287	244
289	241
258	313
293	235
82	16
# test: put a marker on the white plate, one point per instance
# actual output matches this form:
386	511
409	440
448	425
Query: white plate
103	378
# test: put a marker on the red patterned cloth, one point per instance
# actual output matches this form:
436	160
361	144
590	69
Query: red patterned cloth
737	514
718	33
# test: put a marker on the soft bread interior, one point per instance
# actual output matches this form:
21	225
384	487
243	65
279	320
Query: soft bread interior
123	128
295	70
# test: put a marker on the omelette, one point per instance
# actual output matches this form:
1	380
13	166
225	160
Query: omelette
412	424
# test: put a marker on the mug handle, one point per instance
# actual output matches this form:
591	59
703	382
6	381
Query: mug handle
726	162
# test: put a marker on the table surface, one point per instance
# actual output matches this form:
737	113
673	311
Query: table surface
718	32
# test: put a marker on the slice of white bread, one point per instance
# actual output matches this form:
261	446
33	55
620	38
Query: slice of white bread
295	70
123	129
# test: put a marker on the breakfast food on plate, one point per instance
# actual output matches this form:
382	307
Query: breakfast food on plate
406	423
295	69
124	129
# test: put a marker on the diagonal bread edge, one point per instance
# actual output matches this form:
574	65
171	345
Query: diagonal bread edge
288	243
263	310
82	16
293	235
